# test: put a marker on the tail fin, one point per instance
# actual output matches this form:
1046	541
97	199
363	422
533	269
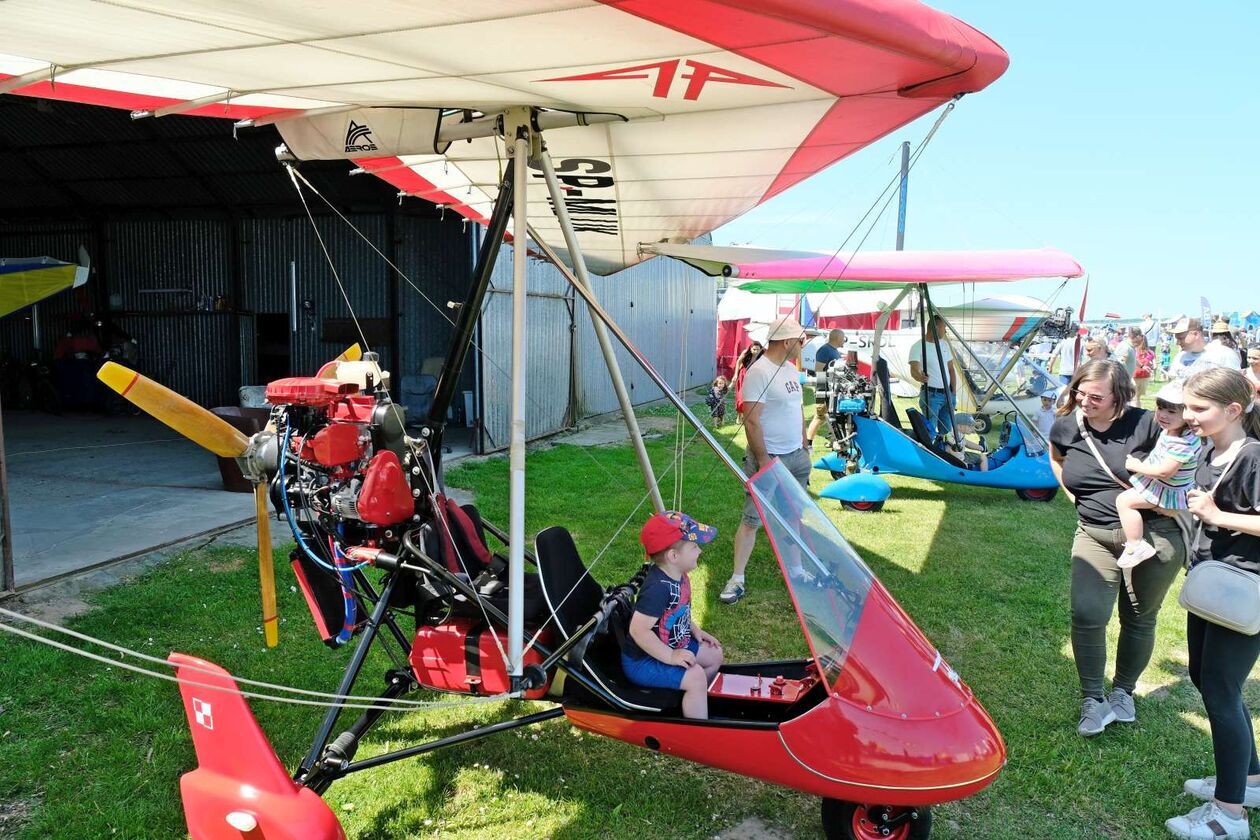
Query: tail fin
240	790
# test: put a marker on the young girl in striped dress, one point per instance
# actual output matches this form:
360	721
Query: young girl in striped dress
1162	481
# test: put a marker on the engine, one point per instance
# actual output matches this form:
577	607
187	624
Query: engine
343	463
845	392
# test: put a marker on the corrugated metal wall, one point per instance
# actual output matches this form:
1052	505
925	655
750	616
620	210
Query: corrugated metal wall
668	310
160	274
549	390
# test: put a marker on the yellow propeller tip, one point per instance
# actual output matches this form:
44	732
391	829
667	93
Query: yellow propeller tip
353	353
117	377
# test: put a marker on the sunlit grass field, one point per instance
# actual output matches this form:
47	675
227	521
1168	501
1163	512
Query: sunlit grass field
88	751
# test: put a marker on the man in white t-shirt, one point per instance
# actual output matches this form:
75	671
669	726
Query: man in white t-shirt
939	386
774	421
1196	354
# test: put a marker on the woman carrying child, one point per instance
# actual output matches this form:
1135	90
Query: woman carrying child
1226	499
1161	480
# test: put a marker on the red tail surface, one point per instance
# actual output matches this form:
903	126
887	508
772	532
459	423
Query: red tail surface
240	790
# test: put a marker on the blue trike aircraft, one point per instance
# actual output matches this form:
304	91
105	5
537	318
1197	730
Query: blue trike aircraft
869	442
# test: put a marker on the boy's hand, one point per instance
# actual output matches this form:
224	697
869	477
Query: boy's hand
683	657
705	639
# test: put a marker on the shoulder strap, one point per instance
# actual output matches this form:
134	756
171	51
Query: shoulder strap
1230	464
1198	531
1089	441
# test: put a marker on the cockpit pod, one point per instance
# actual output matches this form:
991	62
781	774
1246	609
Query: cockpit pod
898	724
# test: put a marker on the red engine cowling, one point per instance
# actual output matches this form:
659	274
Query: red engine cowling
337	444
385	498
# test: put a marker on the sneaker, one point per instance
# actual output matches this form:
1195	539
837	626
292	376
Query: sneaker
1205	789
1095	715
1135	553
1209	822
732	592
799	575
1121	703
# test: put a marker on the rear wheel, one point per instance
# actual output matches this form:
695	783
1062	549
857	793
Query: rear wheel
984	423
850	821
1041	494
863	507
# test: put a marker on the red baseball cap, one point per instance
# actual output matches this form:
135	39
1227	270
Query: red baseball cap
664	529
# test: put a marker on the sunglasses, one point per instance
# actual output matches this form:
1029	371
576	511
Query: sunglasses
1165	405
1092	399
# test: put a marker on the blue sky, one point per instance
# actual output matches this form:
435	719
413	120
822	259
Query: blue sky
1123	133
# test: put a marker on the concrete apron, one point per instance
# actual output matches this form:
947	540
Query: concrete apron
88	490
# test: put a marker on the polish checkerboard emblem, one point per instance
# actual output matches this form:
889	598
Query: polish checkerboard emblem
203	714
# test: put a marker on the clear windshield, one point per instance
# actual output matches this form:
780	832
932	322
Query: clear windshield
827	580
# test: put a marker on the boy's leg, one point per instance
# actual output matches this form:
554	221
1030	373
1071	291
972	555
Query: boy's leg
695	687
710	658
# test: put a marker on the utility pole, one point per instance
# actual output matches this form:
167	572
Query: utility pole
901	202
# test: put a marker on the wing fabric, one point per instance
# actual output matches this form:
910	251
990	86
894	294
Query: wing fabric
719	104
795	272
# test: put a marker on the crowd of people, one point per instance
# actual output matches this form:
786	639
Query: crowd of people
1154	492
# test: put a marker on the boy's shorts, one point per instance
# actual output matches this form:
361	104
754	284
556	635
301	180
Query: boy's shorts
650	672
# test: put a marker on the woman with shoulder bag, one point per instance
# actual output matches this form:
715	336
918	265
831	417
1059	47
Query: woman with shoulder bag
1219	406
1095	432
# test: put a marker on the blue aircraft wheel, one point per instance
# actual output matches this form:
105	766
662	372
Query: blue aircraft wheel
863	507
851	821
1039	494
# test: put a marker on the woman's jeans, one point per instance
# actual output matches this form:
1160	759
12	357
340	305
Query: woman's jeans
1098	584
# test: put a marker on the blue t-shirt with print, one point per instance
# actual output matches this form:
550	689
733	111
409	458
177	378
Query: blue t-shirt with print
669	602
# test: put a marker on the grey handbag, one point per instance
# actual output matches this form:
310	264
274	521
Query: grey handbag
1221	593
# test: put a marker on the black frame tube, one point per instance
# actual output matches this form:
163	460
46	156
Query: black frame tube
347	680
470	312
461	738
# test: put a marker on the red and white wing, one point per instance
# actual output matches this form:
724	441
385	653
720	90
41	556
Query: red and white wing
726	102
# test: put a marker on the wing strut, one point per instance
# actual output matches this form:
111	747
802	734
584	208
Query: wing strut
580	276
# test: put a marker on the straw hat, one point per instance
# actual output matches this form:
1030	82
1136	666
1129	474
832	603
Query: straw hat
1219	326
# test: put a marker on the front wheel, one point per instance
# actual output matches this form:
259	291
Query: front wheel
851	821
1042	494
984	424
863	507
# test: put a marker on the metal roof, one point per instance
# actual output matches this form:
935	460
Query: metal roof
61	159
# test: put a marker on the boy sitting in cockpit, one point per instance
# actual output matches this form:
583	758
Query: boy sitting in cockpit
665	648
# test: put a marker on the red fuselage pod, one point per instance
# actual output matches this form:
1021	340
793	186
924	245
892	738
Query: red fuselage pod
386	495
308	391
896	727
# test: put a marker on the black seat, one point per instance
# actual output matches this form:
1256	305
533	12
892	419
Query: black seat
887	411
435	547
574	597
921	433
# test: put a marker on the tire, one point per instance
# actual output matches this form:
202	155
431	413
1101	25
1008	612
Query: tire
851	821
984	424
1038	495
863	507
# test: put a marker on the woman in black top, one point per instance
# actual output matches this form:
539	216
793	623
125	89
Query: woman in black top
1096	404
1220	407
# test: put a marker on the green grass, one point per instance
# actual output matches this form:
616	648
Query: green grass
87	751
